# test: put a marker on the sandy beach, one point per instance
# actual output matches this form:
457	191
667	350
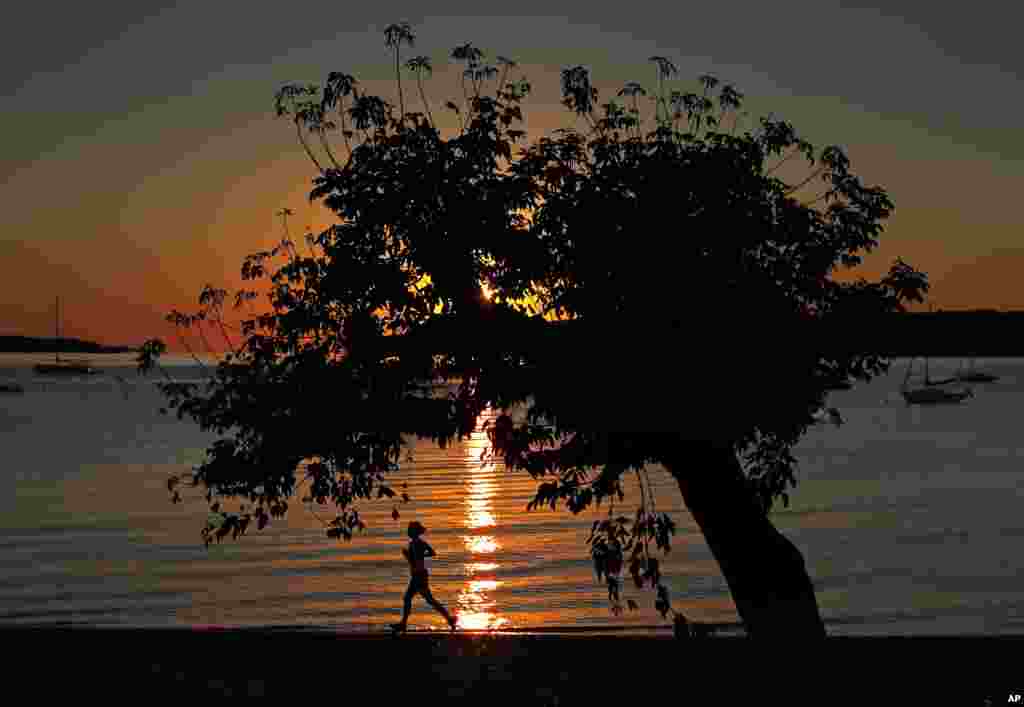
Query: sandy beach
496	669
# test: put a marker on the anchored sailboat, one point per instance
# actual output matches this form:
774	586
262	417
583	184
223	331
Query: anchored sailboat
63	367
930	393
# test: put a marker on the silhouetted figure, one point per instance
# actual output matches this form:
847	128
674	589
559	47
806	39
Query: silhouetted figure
416	553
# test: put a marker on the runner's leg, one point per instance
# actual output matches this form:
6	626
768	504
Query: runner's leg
407	602
425	591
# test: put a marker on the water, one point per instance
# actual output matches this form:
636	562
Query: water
909	519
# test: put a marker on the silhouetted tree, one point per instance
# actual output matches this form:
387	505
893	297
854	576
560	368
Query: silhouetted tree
658	298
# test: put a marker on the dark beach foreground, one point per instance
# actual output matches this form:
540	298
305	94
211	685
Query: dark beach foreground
499	669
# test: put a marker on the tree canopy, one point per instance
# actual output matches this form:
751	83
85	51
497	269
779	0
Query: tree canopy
616	292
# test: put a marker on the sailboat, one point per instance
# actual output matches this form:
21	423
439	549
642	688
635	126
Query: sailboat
942	381
59	367
973	376
931	393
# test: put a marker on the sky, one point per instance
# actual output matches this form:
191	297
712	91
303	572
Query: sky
142	159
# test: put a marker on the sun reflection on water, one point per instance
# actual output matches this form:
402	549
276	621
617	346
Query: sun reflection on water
476	609
478	517
480	544
474	568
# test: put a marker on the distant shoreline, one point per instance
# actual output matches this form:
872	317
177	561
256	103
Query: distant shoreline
955	334
962	333
32	344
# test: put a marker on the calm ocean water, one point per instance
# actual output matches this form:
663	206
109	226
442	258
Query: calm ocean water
910	520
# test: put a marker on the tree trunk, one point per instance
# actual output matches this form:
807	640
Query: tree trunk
765	571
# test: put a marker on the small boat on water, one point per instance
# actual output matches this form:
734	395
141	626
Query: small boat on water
931	393
935	396
63	367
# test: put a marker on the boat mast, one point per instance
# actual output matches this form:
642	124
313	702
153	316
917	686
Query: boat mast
927	378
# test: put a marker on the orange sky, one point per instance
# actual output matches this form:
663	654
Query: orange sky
142	166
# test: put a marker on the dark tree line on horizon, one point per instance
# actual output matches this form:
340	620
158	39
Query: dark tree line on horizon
35	344
963	332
